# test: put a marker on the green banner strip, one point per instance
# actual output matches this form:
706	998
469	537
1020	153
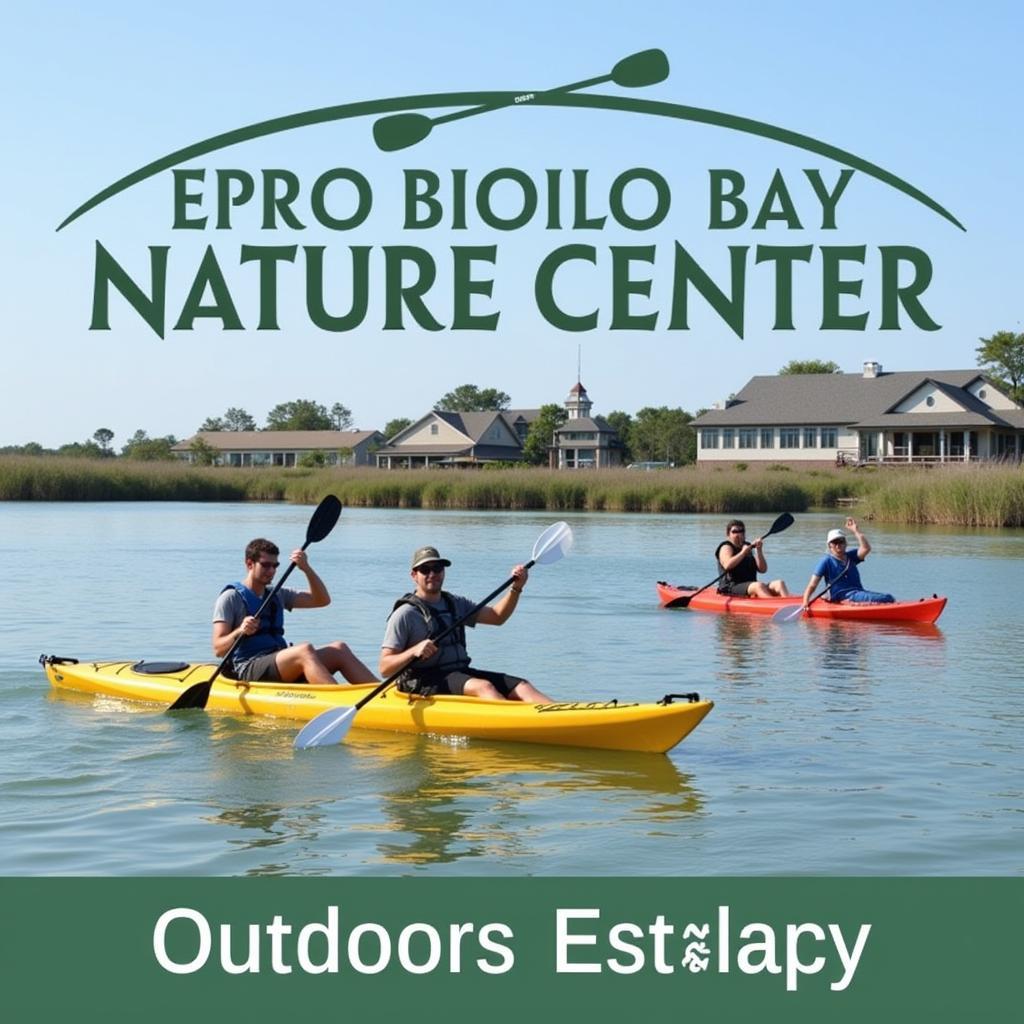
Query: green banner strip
714	949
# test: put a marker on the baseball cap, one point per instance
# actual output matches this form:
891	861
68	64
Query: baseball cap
427	555
835	535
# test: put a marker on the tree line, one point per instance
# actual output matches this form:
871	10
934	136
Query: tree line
657	434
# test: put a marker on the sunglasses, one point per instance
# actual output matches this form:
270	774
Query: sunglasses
430	567
737	531
838	543
268	565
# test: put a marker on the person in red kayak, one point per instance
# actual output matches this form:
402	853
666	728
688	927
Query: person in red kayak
443	667
741	560
839	569
263	655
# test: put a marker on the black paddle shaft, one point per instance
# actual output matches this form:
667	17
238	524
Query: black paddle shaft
320	525
783	522
381	687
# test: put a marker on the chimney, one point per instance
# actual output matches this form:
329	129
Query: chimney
872	369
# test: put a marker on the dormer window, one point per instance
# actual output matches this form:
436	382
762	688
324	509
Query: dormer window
433	428
930	400
982	393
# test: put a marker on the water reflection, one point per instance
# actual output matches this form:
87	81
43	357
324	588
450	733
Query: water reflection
466	800
744	646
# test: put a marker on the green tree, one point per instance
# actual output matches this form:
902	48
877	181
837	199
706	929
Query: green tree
149	449
312	460
301	414
809	366
238	419
663	435
538	437
341	417
203	453
396	426
622	423
1002	358
233	419
470	398
103	436
81	450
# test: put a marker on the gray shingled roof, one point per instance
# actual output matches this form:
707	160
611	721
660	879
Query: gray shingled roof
598	423
850	399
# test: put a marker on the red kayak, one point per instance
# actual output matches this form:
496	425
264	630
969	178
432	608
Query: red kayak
926	609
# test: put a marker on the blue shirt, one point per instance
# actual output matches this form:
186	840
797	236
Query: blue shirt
829	569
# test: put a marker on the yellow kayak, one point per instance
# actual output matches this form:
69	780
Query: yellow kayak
606	725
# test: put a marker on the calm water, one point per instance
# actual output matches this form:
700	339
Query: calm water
833	748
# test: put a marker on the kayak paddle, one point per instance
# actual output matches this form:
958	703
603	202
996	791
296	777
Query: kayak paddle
784	522
792	614
331	726
320	525
399	131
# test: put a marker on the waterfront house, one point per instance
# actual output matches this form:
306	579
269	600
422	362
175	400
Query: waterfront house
584	441
444	438
873	417
284	447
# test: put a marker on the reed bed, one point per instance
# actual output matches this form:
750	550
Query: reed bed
954	496
964	496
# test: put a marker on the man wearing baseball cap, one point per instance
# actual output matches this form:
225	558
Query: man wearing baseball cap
440	664
839	569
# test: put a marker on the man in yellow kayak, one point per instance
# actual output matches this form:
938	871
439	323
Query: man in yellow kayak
444	667
262	653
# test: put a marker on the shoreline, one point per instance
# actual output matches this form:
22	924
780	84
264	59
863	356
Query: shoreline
969	496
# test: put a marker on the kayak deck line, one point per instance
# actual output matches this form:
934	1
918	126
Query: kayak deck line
605	725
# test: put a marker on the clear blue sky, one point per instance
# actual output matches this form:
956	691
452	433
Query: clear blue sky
930	92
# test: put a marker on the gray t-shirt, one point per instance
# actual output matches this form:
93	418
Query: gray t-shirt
407	627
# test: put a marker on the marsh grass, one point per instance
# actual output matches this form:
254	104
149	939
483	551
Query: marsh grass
964	496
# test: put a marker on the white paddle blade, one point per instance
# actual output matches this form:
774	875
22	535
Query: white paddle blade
788	614
329	727
554	543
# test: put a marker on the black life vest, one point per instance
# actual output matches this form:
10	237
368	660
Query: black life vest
452	652
745	572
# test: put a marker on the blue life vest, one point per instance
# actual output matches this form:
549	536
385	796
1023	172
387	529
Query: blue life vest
270	636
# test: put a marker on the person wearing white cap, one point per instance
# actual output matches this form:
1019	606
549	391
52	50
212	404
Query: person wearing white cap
839	570
443	667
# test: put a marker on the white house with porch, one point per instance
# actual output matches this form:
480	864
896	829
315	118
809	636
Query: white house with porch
906	417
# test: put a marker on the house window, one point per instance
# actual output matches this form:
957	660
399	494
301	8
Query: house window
433	428
810	437
709	439
767	437
930	400
789	437
829	437
728	437
748	437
